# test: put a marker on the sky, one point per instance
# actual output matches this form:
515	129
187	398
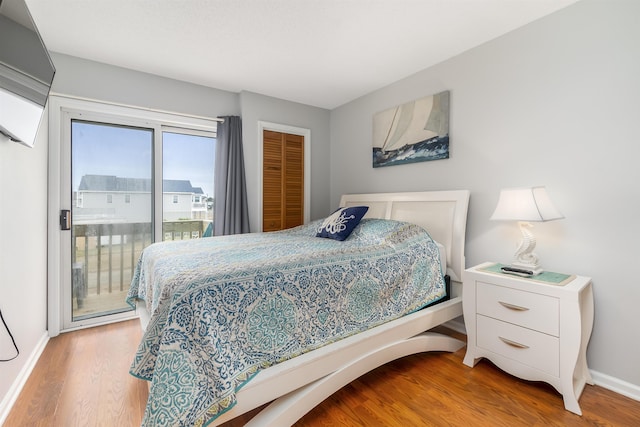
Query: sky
127	152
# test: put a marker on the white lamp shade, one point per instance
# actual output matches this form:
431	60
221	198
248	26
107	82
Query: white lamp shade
525	204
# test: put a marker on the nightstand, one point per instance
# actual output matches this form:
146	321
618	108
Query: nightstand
530	328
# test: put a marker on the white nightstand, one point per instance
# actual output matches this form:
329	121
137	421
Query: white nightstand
531	329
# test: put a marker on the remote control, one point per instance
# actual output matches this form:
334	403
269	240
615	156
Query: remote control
517	271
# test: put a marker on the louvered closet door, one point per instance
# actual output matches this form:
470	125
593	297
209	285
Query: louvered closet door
293	180
272	182
282	181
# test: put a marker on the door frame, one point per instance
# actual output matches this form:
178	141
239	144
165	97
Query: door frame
59	165
304	132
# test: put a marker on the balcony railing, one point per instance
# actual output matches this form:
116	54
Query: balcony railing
184	230
104	256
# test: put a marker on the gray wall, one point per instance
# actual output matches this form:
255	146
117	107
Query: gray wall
94	80
555	103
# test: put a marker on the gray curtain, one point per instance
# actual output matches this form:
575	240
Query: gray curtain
231	214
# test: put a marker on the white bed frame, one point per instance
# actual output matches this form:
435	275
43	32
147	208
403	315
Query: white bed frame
298	385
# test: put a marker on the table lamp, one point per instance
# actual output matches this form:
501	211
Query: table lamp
526	205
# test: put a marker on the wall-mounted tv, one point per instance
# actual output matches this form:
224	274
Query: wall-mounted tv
26	73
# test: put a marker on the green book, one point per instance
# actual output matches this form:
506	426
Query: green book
547	277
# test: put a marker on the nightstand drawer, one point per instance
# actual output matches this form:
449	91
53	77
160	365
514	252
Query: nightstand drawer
534	349
531	310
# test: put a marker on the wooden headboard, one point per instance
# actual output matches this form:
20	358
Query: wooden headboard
442	213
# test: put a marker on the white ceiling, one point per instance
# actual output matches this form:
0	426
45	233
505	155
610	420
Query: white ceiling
317	52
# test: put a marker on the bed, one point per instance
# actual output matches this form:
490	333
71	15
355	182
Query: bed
173	354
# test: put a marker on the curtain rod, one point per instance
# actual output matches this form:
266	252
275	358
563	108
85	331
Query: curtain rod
154	110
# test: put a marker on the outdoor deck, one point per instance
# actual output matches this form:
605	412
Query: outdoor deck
104	259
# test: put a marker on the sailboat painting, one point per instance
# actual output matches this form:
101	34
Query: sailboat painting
417	131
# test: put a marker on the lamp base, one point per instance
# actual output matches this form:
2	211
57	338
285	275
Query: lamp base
535	269
524	256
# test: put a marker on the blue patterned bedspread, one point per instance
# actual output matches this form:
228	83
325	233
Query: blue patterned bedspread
224	308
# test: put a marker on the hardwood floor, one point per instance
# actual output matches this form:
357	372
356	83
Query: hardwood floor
82	379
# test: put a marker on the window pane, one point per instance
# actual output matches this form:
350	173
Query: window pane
187	169
108	163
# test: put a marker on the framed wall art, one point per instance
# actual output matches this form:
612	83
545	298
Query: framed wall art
416	131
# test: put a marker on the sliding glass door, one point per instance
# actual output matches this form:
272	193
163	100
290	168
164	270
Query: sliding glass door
111	213
187	184
126	182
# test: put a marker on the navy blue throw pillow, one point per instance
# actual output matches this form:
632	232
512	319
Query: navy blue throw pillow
341	223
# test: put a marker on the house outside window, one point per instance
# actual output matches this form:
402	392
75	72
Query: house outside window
122	197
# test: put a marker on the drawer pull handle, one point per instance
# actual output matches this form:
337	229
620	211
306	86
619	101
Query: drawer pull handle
513	306
513	343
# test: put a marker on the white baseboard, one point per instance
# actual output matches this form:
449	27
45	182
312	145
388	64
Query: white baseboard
15	389
616	385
